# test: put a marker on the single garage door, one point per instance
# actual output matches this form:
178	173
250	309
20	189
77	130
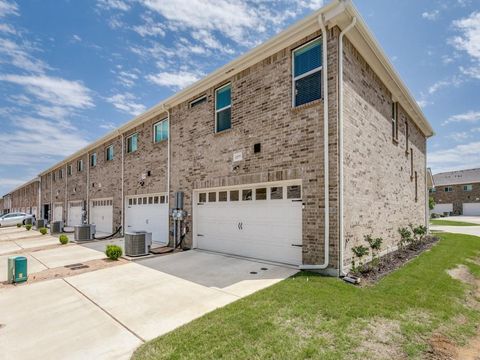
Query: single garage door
101	215
471	209
57	212
75	213
148	213
442	209
261	221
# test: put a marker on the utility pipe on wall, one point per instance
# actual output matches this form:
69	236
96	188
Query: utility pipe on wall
122	217
340	140
87	205
65	214
321	22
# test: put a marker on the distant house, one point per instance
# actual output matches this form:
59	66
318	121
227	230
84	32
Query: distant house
457	192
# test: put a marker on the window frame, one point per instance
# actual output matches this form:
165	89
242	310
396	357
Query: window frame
308	73
465	187
80	165
448	189
155	131
395	120
69	170
106	153
198	101
93	156
229	84
127	140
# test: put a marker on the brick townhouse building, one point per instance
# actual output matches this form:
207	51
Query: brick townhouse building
457	192
291	153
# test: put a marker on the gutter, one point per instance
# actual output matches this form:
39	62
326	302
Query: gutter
341	154
324	265
167	110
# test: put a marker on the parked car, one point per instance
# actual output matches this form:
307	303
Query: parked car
13	219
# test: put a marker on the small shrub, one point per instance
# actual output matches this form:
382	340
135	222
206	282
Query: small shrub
19	225
113	252
375	246
359	252
28	227
63	239
419	233
405	237
43	230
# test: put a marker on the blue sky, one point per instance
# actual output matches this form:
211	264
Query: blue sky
70	71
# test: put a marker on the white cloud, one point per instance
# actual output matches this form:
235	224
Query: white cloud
423	103
18	56
8	8
54	90
431	15
76	38
462	156
11	183
126	78
174	80
469	117
127	103
113	4
459	136
469	41
7	29
46	141
150	27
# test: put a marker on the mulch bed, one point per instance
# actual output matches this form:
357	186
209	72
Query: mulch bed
394	260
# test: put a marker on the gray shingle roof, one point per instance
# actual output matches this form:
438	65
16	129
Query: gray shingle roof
457	177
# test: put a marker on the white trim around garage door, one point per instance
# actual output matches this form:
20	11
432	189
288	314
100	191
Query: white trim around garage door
105	225
266	219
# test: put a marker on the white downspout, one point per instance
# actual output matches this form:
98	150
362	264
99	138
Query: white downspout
168	169
50	215
39	211
122	218
326	245
87	205
340	140
427	194
66	196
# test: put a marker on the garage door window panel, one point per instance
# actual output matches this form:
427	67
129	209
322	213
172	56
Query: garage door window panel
247	195
212	197
202	197
276	193
234	195
261	194
294	192
222	196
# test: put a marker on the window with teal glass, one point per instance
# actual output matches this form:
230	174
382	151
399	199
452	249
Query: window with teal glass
160	131
223	108
109	153
132	143
307	73
93	160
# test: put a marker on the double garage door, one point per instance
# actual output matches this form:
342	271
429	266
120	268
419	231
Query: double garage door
261	221
148	213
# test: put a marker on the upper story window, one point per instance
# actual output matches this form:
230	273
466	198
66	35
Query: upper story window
69	170
448	189
132	143
307	73
223	108
109	153
54	177
432	190
198	101
93	160
395	120
80	165
60	174
467	187
160	131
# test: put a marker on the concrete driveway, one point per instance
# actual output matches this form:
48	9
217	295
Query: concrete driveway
108	313
470	219
468	230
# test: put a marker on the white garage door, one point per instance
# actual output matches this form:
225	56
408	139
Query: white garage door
263	222
57	212
442	208
148	213
471	209
74	213
101	215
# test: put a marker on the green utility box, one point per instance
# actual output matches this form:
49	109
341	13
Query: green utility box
17	269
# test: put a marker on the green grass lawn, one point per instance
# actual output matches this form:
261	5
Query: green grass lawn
310	316
451	223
